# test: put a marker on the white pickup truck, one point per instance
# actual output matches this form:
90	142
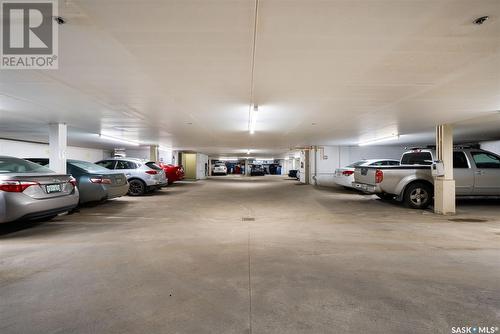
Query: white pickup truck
476	173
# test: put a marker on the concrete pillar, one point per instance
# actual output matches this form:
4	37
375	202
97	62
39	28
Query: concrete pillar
153	152
58	141
306	167
209	166
444	186
247	168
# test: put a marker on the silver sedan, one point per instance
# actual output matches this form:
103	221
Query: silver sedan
30	191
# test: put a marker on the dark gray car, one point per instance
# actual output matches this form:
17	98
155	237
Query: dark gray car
95	182
31	191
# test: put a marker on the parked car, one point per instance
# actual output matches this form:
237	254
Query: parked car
219	169
95	182
31	191
257	170
143	176
172	172
345	176
476	173
292	173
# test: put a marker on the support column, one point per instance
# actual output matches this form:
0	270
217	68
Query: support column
306	167
247	168
58	138
444	186
153	152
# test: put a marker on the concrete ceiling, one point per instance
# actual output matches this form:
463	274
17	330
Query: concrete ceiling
178	73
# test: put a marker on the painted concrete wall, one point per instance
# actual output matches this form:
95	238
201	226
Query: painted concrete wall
333	157
492	146
33	150
201	160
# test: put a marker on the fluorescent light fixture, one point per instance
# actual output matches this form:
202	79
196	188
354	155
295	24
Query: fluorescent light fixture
379	140
253	119
248	151
227	159
119	140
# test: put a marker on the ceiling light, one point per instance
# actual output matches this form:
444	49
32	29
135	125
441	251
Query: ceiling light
379	140
248	151
119	140
253	119
481	20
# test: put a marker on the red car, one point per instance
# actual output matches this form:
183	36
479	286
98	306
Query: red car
173	173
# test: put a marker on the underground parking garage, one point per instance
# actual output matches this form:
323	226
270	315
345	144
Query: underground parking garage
250	166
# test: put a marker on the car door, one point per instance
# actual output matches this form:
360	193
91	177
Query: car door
463	174
126	167
487	175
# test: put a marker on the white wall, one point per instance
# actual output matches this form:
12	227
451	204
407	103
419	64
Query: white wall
201	160
492	146
165	155
21	149
333	157
139	153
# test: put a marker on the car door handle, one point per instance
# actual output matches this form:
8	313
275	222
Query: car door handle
479	172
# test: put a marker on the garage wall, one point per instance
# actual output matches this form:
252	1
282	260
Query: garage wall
492	146
21	149
333	157
139	153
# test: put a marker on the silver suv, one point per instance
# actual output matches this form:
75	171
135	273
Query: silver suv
143	176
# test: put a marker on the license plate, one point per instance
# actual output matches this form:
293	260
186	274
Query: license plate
53	188
118	180
364	171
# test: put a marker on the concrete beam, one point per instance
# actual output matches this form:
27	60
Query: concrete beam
58	141
444	186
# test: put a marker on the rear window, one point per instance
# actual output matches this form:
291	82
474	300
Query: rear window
152	165
15	165
357	163
88	166
417	158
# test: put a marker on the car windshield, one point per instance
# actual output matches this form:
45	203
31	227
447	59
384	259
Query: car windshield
88	166
15	165
357	163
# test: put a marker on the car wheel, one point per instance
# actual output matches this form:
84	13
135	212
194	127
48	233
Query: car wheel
418	195
136	187
385	197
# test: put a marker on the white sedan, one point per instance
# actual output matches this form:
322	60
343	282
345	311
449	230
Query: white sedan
345	176
219	169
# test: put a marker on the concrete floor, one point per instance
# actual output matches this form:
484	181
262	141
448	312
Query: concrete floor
313	261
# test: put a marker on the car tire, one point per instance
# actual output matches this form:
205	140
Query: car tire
136	187
418	195
385	197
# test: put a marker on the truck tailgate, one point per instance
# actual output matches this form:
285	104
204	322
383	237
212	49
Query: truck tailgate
364	175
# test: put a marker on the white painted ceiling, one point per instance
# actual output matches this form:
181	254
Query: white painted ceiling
178	73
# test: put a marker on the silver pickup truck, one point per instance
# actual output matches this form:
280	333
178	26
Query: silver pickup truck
476	173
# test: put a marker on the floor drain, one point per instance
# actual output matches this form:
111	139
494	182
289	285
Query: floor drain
468	220
248	219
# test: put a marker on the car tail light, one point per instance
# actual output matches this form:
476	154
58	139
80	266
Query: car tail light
347	172
151	172
100	180
72	180
379	176
14	186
